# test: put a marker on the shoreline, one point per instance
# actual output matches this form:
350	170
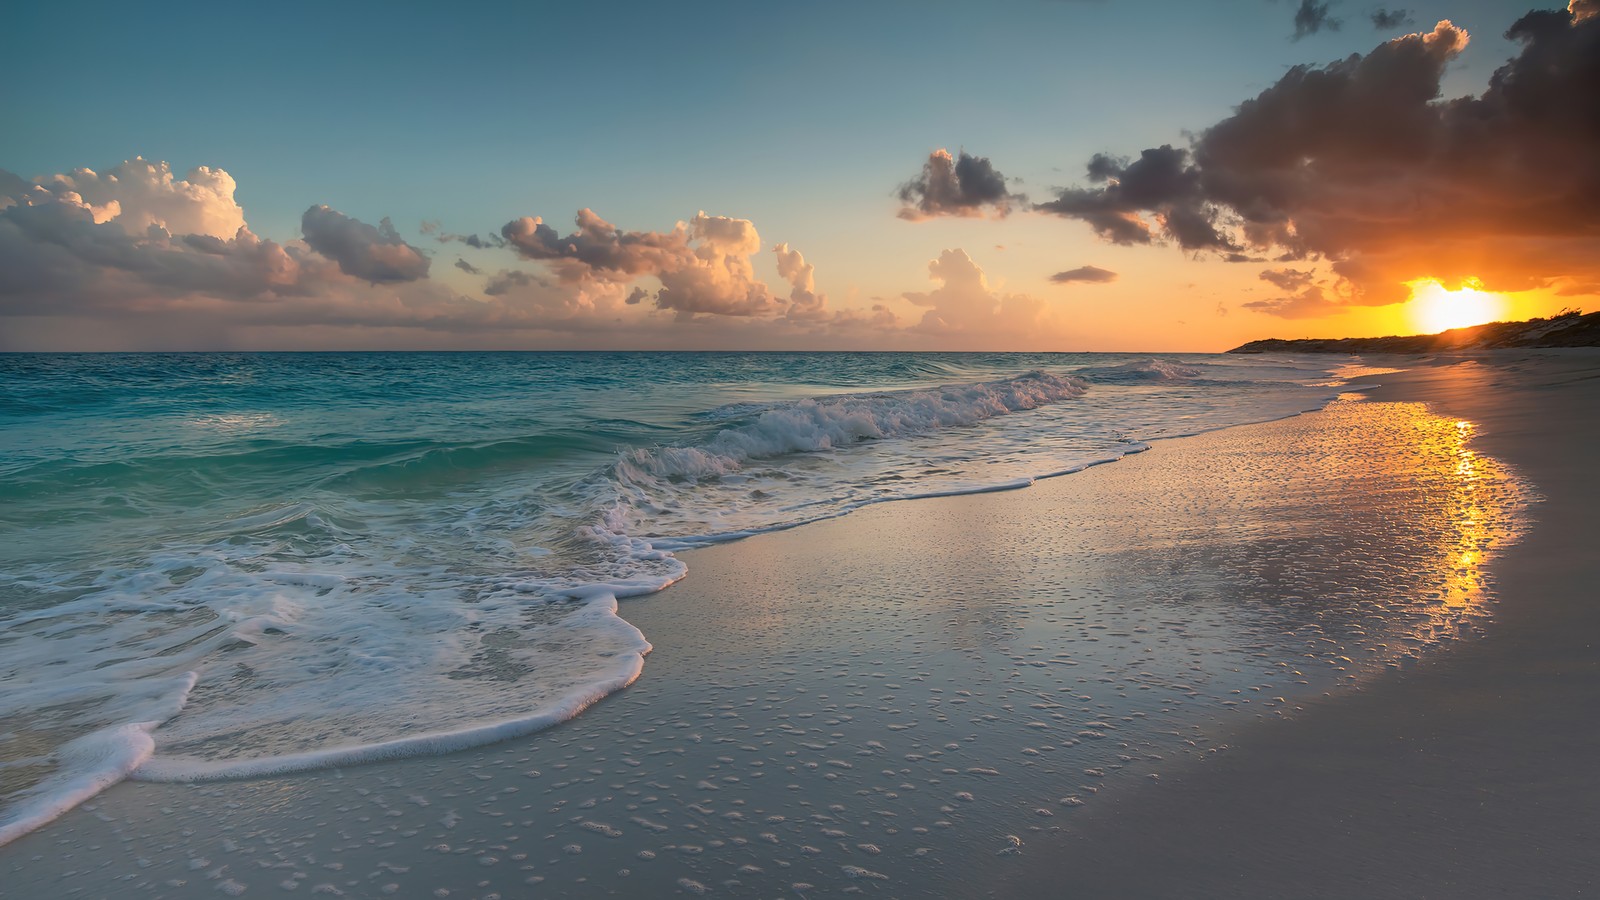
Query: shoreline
832	706
1468	775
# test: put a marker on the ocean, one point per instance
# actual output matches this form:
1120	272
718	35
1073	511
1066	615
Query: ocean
226	565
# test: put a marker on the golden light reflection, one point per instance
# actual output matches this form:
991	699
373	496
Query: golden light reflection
1438	509
1473	517
1432	308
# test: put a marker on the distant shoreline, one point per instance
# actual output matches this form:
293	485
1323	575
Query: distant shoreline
1571	329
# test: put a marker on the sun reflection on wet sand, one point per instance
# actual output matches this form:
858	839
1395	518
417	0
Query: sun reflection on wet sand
1470	506
1366	537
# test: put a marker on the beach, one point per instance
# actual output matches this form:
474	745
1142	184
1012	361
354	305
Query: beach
1470	775
1346	653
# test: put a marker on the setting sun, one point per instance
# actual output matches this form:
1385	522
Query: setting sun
1435	309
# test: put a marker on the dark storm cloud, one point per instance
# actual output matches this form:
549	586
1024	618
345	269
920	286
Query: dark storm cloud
374	254
1313	17
1360	163
1086	274
1384	19
1163	181
965	185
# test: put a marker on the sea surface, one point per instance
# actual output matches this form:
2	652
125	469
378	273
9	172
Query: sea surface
230	565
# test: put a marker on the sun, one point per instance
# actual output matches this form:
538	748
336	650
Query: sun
1435	309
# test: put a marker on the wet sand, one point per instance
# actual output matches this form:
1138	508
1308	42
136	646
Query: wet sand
1470	775
970	695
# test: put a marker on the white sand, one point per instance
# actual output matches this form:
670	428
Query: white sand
945	697
1472	775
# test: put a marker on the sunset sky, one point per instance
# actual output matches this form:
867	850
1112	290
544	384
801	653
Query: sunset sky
1029	175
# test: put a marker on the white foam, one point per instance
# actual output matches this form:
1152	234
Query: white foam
87	765
600	612
1142	371
834	422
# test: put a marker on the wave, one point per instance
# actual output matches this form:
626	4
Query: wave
1144	371
830	423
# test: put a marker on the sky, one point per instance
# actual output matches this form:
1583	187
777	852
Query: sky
1028	175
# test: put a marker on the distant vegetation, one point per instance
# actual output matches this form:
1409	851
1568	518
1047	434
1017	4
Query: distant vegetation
1569	328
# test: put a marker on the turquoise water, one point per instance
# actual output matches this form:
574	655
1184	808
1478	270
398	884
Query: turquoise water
217	565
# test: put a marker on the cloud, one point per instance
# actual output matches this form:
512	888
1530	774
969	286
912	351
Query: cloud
1163	181
377	255
103	271
804	302
1309	302
1359	163
61	251
138	194
956	186
717	278
1312	17
1288	279
969	314
508	280
1385	19
96	249
536	301
1086	274
1304	295
598	249
703	265
69	279
471	240
435	229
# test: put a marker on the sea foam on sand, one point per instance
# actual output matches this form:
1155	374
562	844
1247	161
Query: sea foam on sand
915	696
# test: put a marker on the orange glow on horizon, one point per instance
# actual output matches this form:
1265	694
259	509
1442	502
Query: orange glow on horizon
1432	308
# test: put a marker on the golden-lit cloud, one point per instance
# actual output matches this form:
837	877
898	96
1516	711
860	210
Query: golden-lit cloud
967	313
139	194
1359	165
703	266
89	261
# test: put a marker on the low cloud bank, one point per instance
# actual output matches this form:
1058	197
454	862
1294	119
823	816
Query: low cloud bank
137	257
